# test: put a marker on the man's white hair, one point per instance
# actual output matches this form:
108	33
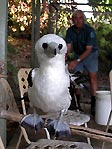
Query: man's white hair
78	11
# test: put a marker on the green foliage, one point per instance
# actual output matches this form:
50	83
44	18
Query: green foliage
12	49
104	38
62	32
19	19
102	23
102	10
12	70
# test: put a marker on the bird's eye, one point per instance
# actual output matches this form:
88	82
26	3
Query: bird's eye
45	45
60	46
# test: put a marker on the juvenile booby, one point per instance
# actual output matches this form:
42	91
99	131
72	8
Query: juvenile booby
49	84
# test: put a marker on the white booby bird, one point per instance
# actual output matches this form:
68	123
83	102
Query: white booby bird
49	84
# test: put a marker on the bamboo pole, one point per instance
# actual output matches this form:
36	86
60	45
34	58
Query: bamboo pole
4	114
3	76
92	133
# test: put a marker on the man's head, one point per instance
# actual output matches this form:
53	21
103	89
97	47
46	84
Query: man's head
78	19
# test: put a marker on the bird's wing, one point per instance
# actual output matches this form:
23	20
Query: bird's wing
66	70
31	76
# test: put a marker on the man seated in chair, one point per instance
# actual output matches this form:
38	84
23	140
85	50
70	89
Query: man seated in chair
82	39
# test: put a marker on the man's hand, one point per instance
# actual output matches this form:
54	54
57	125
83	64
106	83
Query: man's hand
72	65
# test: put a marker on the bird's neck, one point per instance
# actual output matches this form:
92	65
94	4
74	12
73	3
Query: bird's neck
56	62
53	66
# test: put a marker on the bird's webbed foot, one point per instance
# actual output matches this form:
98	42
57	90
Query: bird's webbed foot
33	121
58	129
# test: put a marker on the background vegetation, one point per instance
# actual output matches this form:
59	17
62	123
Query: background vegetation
56	18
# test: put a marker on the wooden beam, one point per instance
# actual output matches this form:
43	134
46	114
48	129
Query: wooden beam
78	130
92	133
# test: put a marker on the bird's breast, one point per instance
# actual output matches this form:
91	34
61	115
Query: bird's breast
51	90
52	82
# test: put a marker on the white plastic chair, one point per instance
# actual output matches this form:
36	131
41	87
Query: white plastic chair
9	105
23	86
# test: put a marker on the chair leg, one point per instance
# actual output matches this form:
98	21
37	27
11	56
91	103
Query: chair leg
23	106
19	140
23	133
108	123
88	139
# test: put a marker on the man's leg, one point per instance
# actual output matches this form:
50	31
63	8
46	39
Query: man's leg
93	88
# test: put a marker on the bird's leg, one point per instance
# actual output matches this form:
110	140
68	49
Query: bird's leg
59	120
47	133
77	104
33	121
58	127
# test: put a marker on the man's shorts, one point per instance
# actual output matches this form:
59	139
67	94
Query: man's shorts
89	64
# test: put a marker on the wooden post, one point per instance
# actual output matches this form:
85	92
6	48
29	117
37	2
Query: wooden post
33	33
35	30
3	53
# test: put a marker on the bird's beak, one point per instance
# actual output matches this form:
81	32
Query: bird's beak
52	52
57	51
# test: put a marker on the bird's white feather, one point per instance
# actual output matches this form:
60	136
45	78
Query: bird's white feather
50	90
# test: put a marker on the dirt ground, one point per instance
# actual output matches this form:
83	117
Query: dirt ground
23	59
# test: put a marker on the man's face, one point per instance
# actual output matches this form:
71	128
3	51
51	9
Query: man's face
78	20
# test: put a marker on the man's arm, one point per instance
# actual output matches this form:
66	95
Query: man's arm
86	52
68	50
74	63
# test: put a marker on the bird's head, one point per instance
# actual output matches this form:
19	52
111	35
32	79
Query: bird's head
50	45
